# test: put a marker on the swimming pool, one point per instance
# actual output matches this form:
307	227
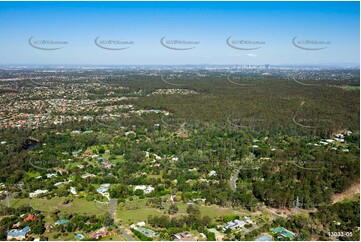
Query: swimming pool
265	237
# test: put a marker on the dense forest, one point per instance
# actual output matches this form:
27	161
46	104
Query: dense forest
265	135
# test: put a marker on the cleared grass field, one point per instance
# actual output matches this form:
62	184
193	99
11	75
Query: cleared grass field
137	215
68	237
212	211
139	211
79	206
115	237
143	212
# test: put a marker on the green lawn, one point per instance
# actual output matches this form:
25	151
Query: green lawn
79	206
137	215
14	202
124	213
213	211
69	237
106	155
142	212
115	237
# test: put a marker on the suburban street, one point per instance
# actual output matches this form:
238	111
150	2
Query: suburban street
112	211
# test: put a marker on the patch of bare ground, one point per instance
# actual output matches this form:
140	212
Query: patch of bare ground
284	212
314	238
348	193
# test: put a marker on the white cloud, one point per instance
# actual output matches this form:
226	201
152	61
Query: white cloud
241	54
251	55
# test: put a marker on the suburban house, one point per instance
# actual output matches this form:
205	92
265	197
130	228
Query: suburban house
50	175
87	176
100	233
145	189
31	217
37	192
237	223
283	233
212	173
73	190
18	234
184	236
234	224
17	225
139	224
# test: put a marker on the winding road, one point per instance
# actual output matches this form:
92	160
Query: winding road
234	178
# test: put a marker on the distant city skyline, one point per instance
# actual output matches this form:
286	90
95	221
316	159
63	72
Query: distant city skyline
180	33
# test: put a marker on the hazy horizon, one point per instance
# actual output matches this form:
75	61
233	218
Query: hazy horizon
180	33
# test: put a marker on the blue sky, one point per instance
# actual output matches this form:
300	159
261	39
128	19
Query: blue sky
209	23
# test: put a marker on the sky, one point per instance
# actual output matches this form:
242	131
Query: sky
276	33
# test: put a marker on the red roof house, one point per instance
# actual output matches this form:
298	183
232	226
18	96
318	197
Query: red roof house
31	217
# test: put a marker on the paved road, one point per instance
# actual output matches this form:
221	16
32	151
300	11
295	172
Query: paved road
112	204
130	238
235	176
112	212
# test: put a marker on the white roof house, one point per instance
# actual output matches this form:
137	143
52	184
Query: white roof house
59	183
237	223
141	224
140	187
149	190
234	224
73	190
212	173
50	175
146	189
87	175
340	136
37	192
